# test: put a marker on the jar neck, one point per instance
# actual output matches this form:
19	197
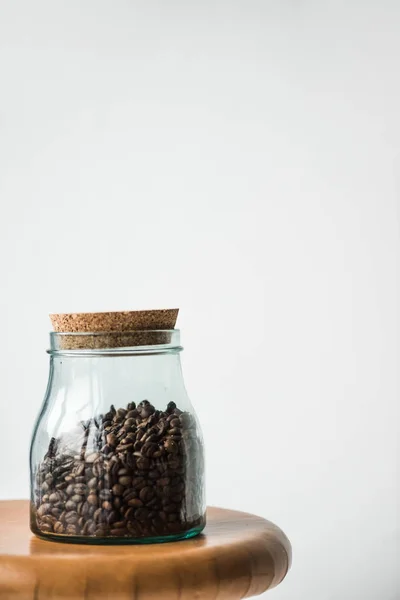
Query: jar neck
115	343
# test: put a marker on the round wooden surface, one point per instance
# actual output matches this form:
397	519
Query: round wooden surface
239	555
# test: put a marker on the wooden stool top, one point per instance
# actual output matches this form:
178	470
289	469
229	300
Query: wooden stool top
239	555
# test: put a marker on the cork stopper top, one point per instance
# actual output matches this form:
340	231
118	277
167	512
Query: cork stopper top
137	320
86	331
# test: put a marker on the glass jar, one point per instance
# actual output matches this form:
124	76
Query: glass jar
117	452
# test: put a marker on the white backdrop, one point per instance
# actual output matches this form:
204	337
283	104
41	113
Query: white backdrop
239	160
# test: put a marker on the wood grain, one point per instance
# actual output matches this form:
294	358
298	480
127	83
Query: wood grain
239	555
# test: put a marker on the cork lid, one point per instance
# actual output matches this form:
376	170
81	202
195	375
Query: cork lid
135	320
113	329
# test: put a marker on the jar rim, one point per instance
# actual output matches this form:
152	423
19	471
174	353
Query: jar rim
113	343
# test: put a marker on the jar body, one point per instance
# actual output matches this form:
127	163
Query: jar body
117	453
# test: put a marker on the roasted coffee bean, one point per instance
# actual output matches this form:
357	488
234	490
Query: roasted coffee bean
45	528
121	413
70	505
143	463
43	509
97	469
61	486
45	487
79	469
118	532
70	529
130	512
49	519
135	502
171	446
97	515
77	498
58	527
146	494
171	407
88	528
141	514
93	483
105	494
132	414
54	497
112	439
92	457
118	489
80	488
117	503
169	508
129	494
176	432
71	517
125	480
92	499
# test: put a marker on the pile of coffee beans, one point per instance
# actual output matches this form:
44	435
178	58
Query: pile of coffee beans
137	472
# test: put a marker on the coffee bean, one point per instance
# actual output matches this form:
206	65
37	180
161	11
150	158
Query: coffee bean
77	498
146	494
45	487
70	529
121	413
135	502
97	515
117	502
58	527
71	517
125	480
176	432
88	528
79	469
43	509
105	494
143	463
118	489
171	446
92	499
97	469
118	532
80	489
112	439
49	519
70	505
92	457
54	497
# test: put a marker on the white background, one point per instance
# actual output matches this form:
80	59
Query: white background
239	160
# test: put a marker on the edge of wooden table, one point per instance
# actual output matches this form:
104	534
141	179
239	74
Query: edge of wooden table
240	555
